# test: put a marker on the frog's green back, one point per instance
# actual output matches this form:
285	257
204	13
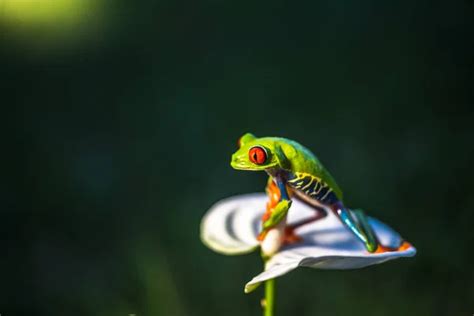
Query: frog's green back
302	160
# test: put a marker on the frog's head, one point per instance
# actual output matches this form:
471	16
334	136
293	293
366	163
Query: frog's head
257	154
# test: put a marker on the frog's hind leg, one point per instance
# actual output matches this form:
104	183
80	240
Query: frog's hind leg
372	242
290	235
320	213
371	235
357	223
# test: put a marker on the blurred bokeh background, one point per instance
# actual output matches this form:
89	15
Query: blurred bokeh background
120	117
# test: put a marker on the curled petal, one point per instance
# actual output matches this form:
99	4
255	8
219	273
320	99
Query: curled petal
230	227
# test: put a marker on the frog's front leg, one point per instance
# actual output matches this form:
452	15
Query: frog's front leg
274	219
274	195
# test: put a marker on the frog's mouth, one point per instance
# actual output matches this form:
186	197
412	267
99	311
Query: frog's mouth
241	164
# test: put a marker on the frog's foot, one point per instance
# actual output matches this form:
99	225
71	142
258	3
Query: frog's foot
291	237
404	246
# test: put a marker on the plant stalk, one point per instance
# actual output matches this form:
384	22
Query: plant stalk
269	298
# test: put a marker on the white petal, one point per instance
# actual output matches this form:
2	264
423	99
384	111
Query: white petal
230	227
327	244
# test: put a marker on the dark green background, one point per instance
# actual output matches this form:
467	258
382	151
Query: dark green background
114	148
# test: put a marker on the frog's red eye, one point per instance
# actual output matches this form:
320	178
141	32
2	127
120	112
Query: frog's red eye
239	142
258	155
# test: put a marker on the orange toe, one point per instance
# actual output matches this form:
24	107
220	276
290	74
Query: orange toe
404	246
382	249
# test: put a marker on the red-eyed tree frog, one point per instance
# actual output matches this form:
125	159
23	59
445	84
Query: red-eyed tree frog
295	172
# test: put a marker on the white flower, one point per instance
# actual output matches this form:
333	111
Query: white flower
231	226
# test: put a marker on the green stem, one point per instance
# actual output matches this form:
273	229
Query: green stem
269	297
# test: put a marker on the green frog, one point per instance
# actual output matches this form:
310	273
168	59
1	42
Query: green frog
295	172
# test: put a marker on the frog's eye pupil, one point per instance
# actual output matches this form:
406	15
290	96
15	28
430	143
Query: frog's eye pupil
258	155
